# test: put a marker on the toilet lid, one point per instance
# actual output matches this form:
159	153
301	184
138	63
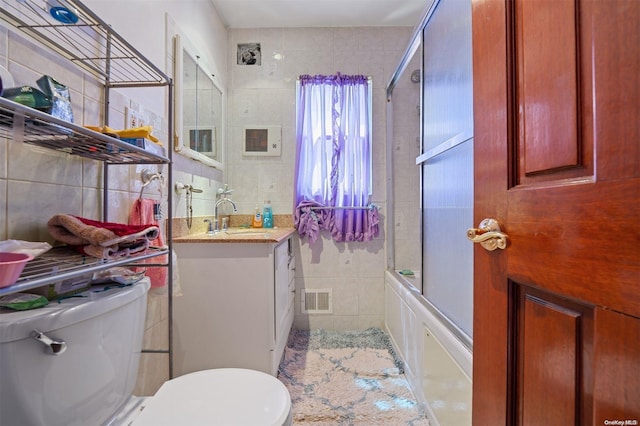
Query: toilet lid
224	396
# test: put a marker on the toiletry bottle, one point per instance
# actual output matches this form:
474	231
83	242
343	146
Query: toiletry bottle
267	215
256	222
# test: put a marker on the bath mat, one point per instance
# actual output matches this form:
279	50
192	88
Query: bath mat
347	378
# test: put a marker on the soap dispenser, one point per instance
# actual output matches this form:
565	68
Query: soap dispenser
267	215
256	222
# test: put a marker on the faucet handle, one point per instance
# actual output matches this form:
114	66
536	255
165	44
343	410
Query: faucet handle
210	229
225	191
225	225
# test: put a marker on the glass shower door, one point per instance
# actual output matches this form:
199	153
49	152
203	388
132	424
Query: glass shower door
447	164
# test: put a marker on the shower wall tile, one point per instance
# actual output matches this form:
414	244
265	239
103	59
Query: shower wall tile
92	203
4	143
31	205
92	91
92	173
31	63
312	39
370	321
91	112
33	163
395	40
4	36
371	39
346	322
370	296
314	322
266	95
3	209
346	40
153	371
345	296
120	178
406	174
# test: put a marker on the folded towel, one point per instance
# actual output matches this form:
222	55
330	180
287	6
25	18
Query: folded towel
114	251
136	132
74	230
104	240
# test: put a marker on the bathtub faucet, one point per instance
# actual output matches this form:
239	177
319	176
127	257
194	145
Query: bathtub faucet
216	226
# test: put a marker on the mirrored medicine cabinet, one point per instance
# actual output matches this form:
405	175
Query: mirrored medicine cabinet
199	132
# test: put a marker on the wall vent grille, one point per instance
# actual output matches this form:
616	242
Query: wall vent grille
317	301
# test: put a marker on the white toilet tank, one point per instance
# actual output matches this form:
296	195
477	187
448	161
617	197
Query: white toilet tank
92	379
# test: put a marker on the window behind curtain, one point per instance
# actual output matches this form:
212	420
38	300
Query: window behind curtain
333	182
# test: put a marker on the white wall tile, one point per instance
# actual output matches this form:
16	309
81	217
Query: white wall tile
3	157
3	209
32	204
33	163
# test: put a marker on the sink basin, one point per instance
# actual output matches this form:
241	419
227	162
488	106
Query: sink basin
241	231
240	235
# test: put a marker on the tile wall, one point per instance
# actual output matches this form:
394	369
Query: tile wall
407	248
265	95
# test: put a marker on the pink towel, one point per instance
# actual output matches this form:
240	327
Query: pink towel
142	213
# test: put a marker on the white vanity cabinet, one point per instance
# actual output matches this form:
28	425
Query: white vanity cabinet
236	307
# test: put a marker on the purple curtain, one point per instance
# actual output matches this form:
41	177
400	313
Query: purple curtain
333	157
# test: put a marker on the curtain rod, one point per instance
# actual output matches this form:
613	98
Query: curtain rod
369	207
368	78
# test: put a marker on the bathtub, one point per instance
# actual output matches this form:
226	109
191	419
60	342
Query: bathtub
437	357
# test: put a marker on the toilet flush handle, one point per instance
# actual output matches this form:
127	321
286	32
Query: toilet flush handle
54	346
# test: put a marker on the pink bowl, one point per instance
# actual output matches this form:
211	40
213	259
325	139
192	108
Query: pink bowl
11	266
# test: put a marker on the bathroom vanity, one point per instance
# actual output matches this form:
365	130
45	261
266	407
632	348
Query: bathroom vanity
236	307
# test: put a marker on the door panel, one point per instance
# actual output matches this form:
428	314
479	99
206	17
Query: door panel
557	163
547	85
552	338
617	354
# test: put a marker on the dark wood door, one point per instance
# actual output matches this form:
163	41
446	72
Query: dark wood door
557	163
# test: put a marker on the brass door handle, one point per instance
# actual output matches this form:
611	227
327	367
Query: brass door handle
489	235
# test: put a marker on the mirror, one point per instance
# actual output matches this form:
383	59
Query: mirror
198	107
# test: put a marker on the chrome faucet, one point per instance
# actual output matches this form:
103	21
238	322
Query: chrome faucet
216	227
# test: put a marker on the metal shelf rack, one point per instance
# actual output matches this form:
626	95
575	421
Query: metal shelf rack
62	263
90	43
31	126
93	46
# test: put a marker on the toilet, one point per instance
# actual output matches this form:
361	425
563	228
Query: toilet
76	362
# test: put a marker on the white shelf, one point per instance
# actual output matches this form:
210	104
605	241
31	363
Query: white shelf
31	126
93	46
90	43
62	263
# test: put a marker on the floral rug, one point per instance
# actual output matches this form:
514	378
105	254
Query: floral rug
347	378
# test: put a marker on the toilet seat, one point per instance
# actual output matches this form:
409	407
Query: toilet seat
224	396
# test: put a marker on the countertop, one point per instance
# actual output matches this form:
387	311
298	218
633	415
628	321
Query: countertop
240	235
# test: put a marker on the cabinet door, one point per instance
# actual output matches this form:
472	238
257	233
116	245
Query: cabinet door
281	289
292	280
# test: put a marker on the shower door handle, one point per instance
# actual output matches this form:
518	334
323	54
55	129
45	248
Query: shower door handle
489	235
